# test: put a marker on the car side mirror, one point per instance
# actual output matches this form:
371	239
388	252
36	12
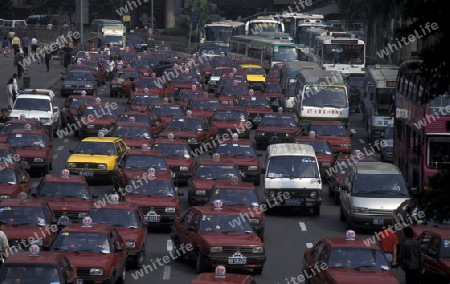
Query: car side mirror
263	171
344	187
119	249
55	109
71	151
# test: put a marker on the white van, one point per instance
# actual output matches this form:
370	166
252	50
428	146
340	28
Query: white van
292	177
14	23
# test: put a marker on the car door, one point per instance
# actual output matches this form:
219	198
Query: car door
119	247
312	256
432	254
323	276
182	229
346	194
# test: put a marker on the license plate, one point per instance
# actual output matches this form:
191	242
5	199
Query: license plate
237	260
25	165
378	221
153	218
80	281
78	91
258	118
86	173
293	201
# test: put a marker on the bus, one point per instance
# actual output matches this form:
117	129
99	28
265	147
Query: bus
263	24
295	24
108	32
340	51
280	36
262	51
379	99
219	33
322	96
421	130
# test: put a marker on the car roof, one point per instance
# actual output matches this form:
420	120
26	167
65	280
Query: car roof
290	149
344	243
376	168
93	228
59	178
103	139
228	184
45	257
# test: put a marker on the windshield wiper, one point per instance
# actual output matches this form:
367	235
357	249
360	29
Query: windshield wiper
22	224
382	191
60	249
366	266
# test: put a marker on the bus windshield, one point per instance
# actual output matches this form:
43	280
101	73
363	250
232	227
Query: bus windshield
384	102
324	96
439	103
115	40
218	33
343	54
255	28
285	52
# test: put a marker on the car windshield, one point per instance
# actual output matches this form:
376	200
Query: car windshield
76	102
82	242
320	147
217	172
139	64
230	196
273	88
8	176
172	150
154	188
358	258
232	81
236	150
24	215
9	127
254	102
79	76
220	71
116	217
289	167
145	100
28	140
329	130
229	115
95	148
186	79
186	96
325	96
138	118
380	184
99	111
274	73
223	223
150	83
255	71
144	162
232	91
167	54
168	110
32	104
282	120
205	105
8	156
126	56
29	273
64	189
185	124
126	131
225	62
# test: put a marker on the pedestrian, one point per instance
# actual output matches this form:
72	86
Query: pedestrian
25	44
5	46
10	92
119	63
388	243
18	61
5	115
411	258
121	92
15	44
47	58
67	56
34	44
4	246
111	68
11	35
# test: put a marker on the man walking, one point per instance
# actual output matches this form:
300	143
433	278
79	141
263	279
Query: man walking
48	56
34	44
25	43
4	246
388	243
15	44
411	258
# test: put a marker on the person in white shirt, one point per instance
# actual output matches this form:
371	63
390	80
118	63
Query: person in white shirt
119	63
111	68
34	44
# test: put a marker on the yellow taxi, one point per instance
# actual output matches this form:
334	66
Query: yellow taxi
95	157
256	76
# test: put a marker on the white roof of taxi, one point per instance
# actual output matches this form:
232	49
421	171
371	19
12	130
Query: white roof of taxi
290	149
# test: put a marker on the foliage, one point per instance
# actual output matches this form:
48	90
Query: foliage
69	7
208	11
45	6
6	8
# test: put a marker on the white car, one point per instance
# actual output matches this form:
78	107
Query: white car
37	104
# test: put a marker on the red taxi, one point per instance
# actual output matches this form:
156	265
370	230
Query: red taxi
206	69
166	111
151	120
128	219
273	76
218	238
276	128
133	133
9	156
220	276
203	106
35	148
143	66
230	79
70	109
336	134
28	221
69	196
273	94
206	173
48	267
232	119
229	93
183	81
196	130
346	260
158	198
322	147
256	106
97	250
98	69
12	124
127	74
178	156
139	163
151	85
243	154
95	117
243	197
126	56
141	101
216	76
185	95
14	179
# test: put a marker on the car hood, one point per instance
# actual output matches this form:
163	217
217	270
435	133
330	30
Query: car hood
79	83
388	203
147	201
68	204
201	183
231	239
31	152
30	114
351	276
88	158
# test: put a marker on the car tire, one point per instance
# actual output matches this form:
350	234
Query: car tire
341	214
258	271
177	247
140	259
76	133
199	264
51	165
122	277
316	210
111	94
258	180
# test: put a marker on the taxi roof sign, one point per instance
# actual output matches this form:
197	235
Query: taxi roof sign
151	171
231	75
351	235
170	136
153	74
22	117
189	113
235	82
218	204
146	90
251	92
357	153
312	134
280	109
87	221
34	250
22	196
235	136
65	173
132	119
98	100
100	134
83	93
216	157
234	179
221	271
145	147
194	87
113	199
27	126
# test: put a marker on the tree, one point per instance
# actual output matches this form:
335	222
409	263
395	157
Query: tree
208	11
6	7
68	6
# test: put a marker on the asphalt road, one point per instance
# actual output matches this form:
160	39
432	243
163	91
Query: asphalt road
286	235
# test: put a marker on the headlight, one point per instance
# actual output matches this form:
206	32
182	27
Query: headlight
71	165
102	166
288	134
184	169
38	160
82	215
88	86
67	86
96	271
130	244
90	126
200	192
114	86
313	194
146	74
192	140
4	196
259	133
253	168
346	145
253	220
170	210
216	249
359	209
257	250
44	120
38	242
326	165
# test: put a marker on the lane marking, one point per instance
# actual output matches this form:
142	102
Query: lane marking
302	226
66	140
55	156
362	141
60	148
309	245
169	245
166	273
352	131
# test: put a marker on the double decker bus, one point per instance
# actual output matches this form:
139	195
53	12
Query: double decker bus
379	98
263	24
263	51
322	96
340	51
421	131
219	33
294	23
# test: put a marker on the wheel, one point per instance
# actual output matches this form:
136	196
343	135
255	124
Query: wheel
123	276
111	94
140	259
258	271
258	180
316	210
199	265
177	248
341	214
189	199
104	81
